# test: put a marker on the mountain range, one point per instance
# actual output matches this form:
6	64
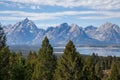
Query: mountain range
26	32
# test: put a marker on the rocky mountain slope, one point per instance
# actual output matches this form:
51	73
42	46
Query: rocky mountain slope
22	32
26	32
108	32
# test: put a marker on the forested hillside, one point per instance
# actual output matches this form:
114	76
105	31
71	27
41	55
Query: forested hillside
43	65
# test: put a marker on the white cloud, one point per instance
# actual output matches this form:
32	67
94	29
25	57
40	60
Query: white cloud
94	4
4	3
10	18
45	26
93	17
15	15
34	7
18	5
10	4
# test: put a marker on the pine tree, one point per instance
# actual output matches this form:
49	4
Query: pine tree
4	56
85	73
45	66
114	75
30	64
2	38
99	69
69	66
90	66
11	65
18	70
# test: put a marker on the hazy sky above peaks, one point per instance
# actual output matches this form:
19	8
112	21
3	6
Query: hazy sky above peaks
47	13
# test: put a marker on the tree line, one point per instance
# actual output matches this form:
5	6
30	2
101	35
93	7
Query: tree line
44	65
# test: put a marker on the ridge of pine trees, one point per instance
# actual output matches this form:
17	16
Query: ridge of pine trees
44	65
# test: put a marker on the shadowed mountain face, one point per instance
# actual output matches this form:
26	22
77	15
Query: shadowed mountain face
26	32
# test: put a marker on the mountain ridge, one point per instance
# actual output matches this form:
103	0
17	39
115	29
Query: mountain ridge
26	32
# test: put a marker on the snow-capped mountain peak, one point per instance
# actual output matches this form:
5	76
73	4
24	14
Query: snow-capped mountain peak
26	32
22	32
108	32
74	27
91	27
64	25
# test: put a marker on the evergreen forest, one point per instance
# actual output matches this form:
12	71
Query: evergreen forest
44	65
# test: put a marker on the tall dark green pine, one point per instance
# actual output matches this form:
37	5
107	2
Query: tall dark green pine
85	73
4	56
70	64
99	69
2	38
30	64
18	70
90	69
12	59
114	75
45	66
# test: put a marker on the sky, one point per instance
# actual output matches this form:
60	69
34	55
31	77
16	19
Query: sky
46	13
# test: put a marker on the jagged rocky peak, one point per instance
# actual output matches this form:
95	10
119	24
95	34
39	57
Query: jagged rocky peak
63	25
25	32
109	25
26	23
49	28
22	32
91	27
74	27
26	19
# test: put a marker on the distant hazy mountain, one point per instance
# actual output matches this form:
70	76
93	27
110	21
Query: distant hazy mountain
90	30
108	32
63	33
26	32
